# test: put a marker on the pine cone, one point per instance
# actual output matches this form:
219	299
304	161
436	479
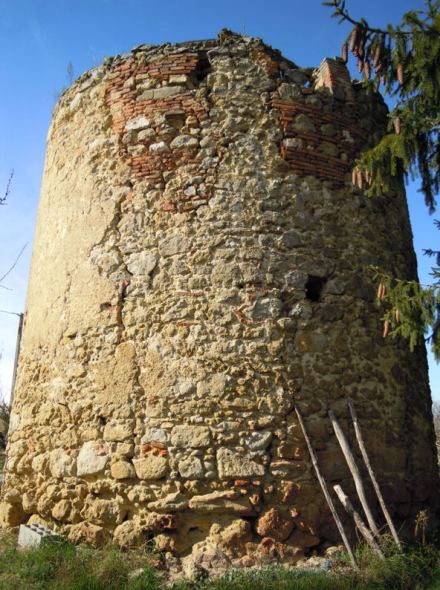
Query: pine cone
376	56
344	53
367	71
354	36
399	72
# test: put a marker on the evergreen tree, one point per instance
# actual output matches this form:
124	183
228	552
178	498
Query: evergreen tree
405	60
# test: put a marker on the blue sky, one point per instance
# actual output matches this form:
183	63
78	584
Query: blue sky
39	38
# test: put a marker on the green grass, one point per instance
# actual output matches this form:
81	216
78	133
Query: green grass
62	566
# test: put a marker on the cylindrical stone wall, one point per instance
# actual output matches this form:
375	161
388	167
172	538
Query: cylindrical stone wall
201	263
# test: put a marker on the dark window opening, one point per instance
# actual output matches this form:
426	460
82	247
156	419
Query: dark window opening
314	287
203	67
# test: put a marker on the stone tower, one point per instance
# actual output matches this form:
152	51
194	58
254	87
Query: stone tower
201	264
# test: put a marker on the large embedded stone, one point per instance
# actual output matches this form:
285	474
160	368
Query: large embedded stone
117	432
184	141
61	463
122	470
128	534
190	436
142	263
191	468
137	123
151	467
173	245
155	435
103	512
174	502
275	524
166	91
237	465
89	533
222	502
259	440
92	458
11	514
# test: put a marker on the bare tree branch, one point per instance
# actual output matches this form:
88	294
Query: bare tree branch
11	268
8	189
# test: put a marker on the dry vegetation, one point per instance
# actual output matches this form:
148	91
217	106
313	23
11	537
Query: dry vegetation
62	566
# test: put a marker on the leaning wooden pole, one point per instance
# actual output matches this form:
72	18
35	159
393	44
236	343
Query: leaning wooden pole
325	489
366	459
354	472
17	354
360	525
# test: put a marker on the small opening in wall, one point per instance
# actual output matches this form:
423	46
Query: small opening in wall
102	420
203	67
314	287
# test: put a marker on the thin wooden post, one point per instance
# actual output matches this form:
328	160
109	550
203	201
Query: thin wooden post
361	526
17	353
366	459
354	471
325	489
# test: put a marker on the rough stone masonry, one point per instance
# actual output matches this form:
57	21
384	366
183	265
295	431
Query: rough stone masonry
201	264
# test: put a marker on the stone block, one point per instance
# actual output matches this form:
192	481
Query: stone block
275	524
122	470
92	459
191	468
232	465
61	463
117	432
151	467
187	436
31	536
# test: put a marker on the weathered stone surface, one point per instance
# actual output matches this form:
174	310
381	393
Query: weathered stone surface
275	524
92	459
191	468
142	264
237	465
122	470
137	124
259	440
190	436
128	534
61	463
11	514
152	435
103	512
61	510
89	533
117	432
151	467
184	141
174	502
222	502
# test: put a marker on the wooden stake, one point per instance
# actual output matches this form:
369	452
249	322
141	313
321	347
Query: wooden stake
325	490
354	472
365	532
366	459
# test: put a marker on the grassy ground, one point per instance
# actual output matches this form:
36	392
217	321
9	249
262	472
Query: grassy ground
61	566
